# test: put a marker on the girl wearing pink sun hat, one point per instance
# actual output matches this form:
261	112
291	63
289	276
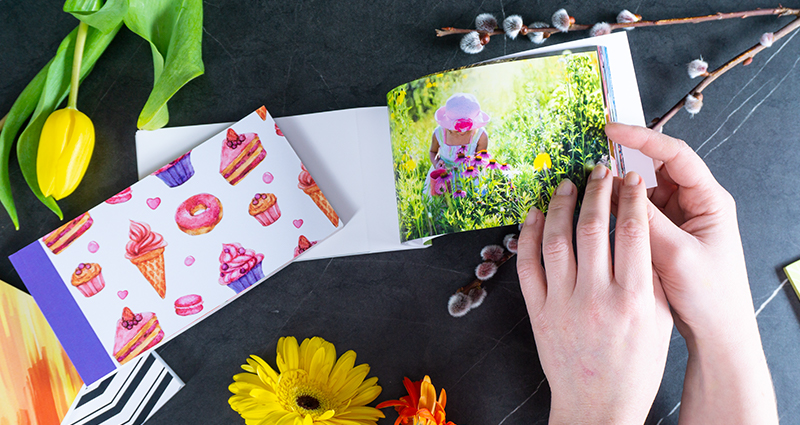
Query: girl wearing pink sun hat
460	131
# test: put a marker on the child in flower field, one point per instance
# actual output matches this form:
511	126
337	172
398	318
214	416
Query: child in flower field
458	137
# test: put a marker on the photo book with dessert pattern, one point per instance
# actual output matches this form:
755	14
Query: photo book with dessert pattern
156	258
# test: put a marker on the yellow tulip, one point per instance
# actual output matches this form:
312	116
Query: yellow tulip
65	148
542	161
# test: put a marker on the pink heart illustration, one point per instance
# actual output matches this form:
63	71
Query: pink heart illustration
188	261
93	247
153	203
268	177
297	223
122	294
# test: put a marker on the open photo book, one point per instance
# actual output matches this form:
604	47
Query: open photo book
458	150
158	257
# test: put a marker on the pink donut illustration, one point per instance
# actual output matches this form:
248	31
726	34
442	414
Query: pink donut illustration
199	214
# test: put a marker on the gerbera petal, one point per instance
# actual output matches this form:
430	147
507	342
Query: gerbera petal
427	394
267	368
288	418
308	420
367	395
354	380
412	389
288	352
327	415
443	398
316	366
361	412
391	403
264	396
340	370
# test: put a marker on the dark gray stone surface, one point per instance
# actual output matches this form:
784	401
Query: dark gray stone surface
309	56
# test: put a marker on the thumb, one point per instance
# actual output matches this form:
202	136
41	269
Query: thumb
667	240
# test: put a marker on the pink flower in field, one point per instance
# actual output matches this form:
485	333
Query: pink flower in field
441	174
493	164
462	158
459	194
484	153
505	167
479	161
440	181
470	172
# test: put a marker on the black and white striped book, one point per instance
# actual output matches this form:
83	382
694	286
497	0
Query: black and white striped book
129	396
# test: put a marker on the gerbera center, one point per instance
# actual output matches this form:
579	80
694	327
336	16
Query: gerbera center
307	402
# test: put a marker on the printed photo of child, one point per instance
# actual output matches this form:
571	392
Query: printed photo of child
544	117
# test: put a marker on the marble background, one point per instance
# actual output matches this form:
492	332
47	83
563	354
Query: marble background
310	56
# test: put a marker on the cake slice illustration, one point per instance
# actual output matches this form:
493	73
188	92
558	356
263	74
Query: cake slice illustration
88	278
146	251
241	153
177	172
59	239
239	268
309	186
136	333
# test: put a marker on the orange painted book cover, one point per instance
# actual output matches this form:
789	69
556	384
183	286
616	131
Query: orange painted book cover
37	380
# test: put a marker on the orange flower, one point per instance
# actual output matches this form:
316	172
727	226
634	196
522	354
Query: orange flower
420	406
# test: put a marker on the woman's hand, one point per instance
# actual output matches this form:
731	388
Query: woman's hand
697	254
602	329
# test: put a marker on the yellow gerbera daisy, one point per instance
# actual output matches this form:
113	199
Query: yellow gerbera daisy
312	387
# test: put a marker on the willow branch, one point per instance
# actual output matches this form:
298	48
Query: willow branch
477	282
744	57
778	11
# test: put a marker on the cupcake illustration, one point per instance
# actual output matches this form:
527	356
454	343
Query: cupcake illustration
176	172
146	252
264	208
239	268
88	278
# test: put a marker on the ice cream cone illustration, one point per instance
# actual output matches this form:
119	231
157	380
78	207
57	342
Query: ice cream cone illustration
146	251
309	186
151	264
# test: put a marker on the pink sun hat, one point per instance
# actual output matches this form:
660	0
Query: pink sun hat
461	113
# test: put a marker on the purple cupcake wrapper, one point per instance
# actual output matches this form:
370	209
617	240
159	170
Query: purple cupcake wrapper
252	277
179	173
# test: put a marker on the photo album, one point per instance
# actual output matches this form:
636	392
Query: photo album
421	167
156	258
454	151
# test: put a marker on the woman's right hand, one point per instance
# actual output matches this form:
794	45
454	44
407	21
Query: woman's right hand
697	253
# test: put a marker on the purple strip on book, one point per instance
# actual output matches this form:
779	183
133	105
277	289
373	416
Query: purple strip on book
62	313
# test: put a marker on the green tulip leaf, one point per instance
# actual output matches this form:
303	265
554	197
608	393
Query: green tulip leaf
105	17
20	111
174	29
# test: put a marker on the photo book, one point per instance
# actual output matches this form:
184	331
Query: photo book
458	150
156	258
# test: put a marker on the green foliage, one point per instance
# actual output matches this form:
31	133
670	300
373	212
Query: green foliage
557	109
172	27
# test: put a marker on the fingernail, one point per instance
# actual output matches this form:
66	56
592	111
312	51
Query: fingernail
632	179
565	188
533	216
599	172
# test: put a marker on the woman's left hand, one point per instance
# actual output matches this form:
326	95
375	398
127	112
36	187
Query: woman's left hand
602	328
